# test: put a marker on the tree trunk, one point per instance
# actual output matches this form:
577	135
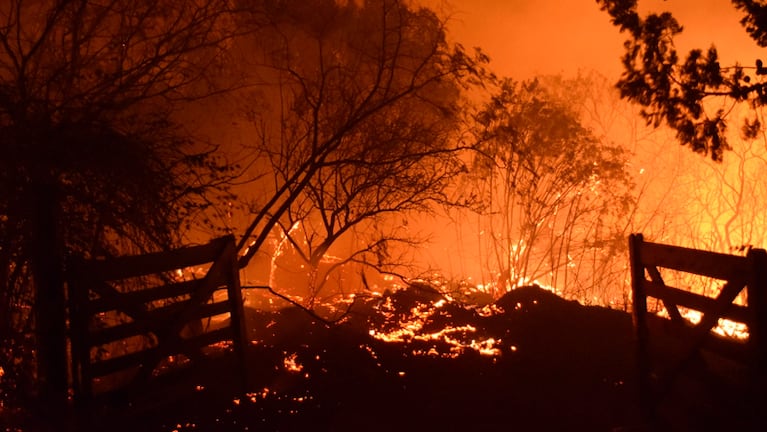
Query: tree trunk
50	302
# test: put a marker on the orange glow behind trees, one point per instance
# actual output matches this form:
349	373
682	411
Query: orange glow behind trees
553	192
366	131
361	132
665	195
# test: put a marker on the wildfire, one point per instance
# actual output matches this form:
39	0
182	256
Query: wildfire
411	326
724	327
279	250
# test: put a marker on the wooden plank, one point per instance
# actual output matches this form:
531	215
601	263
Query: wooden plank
209	338
687	339
722	304
46	246
148	323
115	364
155	322
78	319
216	274
237	315
172	384
757	298
118	300
700	335
704	263
697	302
670	306
107	291
731	348
150	357
641	333
165	322
158	262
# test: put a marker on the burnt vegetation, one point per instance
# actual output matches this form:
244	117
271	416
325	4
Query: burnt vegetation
321	135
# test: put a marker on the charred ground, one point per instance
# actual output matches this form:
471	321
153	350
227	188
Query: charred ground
560	366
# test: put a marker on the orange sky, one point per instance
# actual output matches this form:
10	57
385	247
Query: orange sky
528	37
525	37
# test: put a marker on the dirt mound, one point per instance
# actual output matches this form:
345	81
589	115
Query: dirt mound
532	361
531	296
529	362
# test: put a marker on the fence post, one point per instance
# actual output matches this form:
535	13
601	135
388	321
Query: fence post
639	315
237	313
50	302
757	302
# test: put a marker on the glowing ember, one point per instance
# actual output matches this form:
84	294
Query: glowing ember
255	396
278	251
486	347
291	363
489	310
411	327
179	426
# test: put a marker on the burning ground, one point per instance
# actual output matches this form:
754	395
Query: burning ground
416	361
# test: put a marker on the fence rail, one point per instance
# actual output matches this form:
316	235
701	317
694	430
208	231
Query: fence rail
126	334
739	274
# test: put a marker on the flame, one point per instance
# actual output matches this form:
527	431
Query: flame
278	251
725	327
410	328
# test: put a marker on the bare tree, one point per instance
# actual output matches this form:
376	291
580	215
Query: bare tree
92	161
369	102
554	192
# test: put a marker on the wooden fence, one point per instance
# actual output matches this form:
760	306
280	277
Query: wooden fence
741	276
126	335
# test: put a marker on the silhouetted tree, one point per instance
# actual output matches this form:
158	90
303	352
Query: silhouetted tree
553	191
87	139
677	91
368	110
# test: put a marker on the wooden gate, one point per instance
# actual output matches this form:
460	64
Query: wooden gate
741	276
135	321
